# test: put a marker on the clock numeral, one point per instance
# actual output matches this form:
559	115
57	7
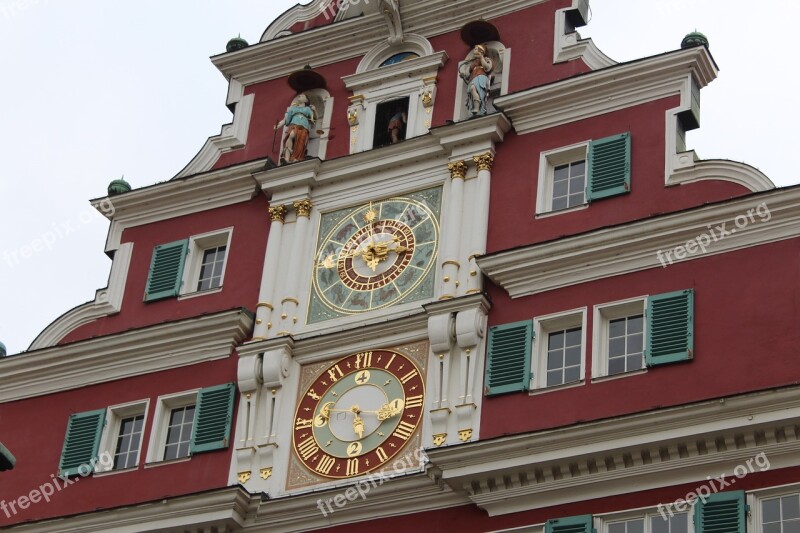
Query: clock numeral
390	360
381	454
363	360
404	430
352	467
302	423
332	373
313	395
325	464
408	377
307	448
362	377
413	401
354	448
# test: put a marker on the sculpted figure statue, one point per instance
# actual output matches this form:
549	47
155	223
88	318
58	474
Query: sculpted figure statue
298	120
476	71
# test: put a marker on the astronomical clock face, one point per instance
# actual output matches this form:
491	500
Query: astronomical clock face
375	255
358	414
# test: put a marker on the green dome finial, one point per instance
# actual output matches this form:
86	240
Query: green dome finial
3	350
694	39
237	43
119	186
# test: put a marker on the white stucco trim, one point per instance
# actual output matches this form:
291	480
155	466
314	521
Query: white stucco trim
124	355
568	45
293	15
232	137
107	301
633	247
384	50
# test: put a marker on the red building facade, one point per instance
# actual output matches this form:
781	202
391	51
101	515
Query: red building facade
462	274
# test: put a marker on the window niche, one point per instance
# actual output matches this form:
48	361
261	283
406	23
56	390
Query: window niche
394	93
391	122
484	36
305	126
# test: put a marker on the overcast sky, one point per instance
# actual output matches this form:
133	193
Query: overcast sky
93	89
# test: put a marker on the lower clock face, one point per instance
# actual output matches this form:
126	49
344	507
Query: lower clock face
358	414
375	255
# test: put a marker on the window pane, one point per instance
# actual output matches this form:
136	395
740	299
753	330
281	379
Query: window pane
771	510
556	340
616	328
560	188
579	168
616	528
573	337
791	507
561	173
128	442
636	324
659	525
634	362
636	526
616	366
572	356
772	528
560	203
635	343
575	199
555	360
554	378
792	526
179	433
572	374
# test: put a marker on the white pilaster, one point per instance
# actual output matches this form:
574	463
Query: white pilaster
266	304
451	230
290	301
480	217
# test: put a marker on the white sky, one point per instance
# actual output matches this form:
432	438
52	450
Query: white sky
93	89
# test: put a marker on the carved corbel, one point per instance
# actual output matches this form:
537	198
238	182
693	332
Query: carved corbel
391	13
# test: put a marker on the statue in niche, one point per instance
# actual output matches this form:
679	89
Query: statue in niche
476	71
298	120
397	125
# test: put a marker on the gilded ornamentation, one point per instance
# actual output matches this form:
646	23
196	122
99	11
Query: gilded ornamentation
277	213
458	170
352	116
439	439
485	161
266	473
244	477
428	96
303	208
465	434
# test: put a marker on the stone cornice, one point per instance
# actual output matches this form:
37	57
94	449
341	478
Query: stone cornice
281	56
177	197
128	354
633	246
682	444
414	68
603	91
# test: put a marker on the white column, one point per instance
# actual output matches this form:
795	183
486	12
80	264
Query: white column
266	306
290	301
451	230
481	219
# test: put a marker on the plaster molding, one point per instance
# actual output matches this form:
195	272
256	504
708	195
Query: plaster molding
232	137
623	455
279	57
569	46
411	70
633	247
176	198
719	170
106	302
294	15
125	355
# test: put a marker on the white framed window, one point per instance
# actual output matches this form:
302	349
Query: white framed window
122	436
776	510
173	423
206	261
647	522
619	338
559	349
562	179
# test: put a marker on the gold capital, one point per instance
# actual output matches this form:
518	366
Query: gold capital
485	161
458	170
277	213
303	208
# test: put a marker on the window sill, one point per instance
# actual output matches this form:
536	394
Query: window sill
156	464
554	388
197	294
107	473
600	379
548	214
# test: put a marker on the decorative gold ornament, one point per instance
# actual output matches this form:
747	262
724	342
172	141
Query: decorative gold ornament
485	161
458	170
244	477
303	208
265	304
277	213
352	116
266	473
439	439
295	301
465	434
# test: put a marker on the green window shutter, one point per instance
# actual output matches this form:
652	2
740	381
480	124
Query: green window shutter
166	270
82	442
508	366
670	328
723	512
212	418
609	167
572	524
